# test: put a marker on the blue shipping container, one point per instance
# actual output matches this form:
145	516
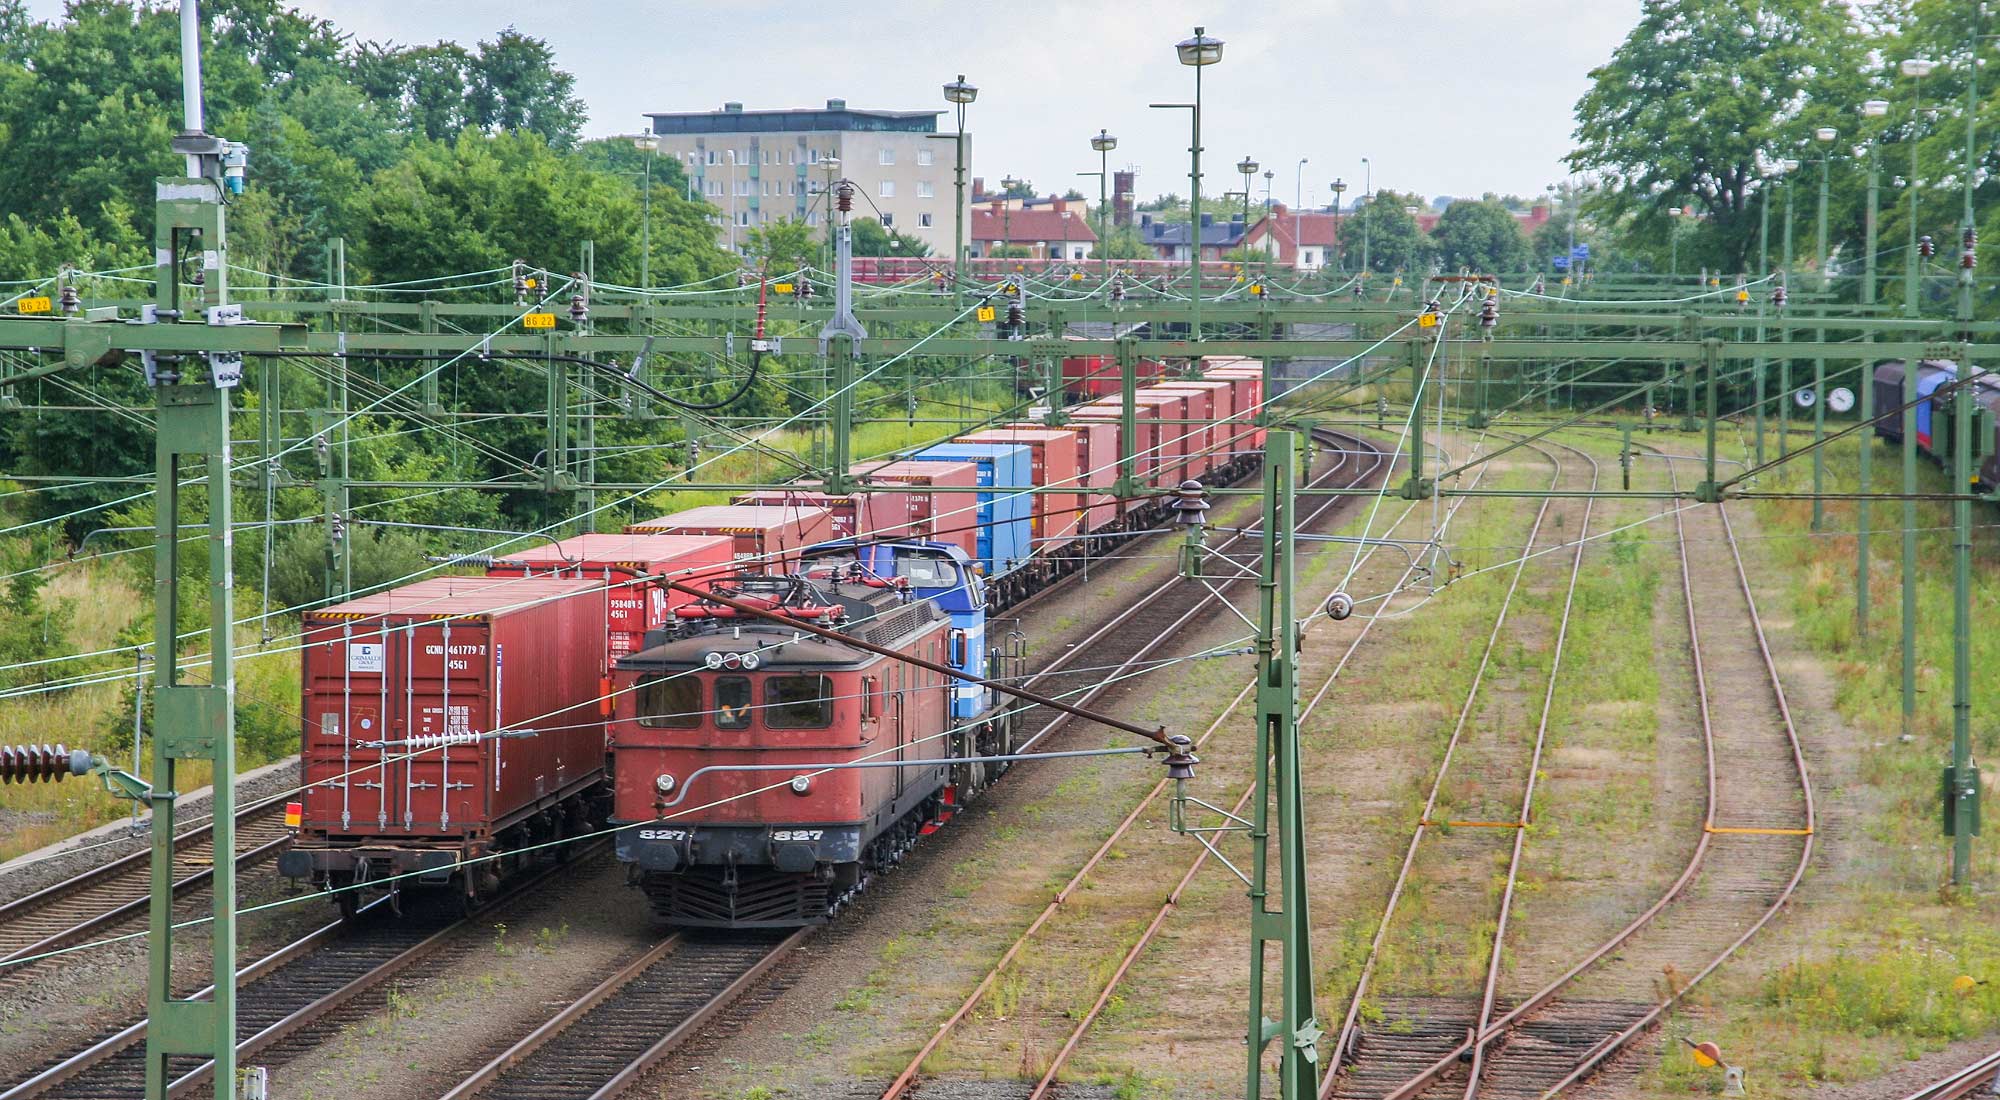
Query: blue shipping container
1005	539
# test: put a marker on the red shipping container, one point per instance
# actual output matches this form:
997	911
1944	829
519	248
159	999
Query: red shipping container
1146	436
1216	398
850	516
634	607
1163	409
1096	466
768	538
1198	401
940	517
1249	399
1099	376
399	687
1052	455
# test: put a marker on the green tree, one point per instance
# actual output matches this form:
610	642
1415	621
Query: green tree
1122	243
783	246
516	86
1394	240
871	238
1481	236
1698	97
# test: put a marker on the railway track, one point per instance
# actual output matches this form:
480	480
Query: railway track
1980	1078
1487	764
112	893
603	1041
278	996
607	1039
908	1080
1753	849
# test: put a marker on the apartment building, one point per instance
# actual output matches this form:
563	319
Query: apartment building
759	167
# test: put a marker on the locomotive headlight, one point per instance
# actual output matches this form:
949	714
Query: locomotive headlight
751	661
801	784
664	783
713	661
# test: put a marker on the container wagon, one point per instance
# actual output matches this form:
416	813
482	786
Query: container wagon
423	761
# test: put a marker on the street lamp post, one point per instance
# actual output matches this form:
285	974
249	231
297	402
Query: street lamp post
1917	68
1874	108
1007	185
650	145
1825	135
1367	204
1674	241
1339	189
1298	209
1790	168
732	200
1103	143
1199	53
1249	168
958	93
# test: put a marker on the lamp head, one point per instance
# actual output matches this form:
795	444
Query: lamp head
1875	108
1103	142
1247	166
958	91
1918	67
1339	187
1199	50
646	141
1826	134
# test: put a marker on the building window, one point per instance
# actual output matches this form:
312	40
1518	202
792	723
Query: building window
812	219
888	219
812	156
924	220
1311	257
924	190
888	189
923	158
743	217
886	156
1078	254
711	156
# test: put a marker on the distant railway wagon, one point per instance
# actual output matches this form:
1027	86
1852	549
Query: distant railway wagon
1934	415
768	537
446	721
635	605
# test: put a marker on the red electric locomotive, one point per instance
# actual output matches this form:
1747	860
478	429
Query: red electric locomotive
766	772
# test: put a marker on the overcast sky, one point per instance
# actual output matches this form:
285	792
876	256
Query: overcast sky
1444	97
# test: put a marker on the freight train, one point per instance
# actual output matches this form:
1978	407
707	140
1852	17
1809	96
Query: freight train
753	773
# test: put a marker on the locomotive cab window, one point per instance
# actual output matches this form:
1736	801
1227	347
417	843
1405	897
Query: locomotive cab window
670	702
798	702
732	703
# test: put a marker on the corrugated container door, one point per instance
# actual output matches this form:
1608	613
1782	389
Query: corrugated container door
350	672
450	702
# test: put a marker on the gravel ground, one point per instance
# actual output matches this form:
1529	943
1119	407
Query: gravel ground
40	869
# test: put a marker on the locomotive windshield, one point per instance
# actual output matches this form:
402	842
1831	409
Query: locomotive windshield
798	702
670	702
732	703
